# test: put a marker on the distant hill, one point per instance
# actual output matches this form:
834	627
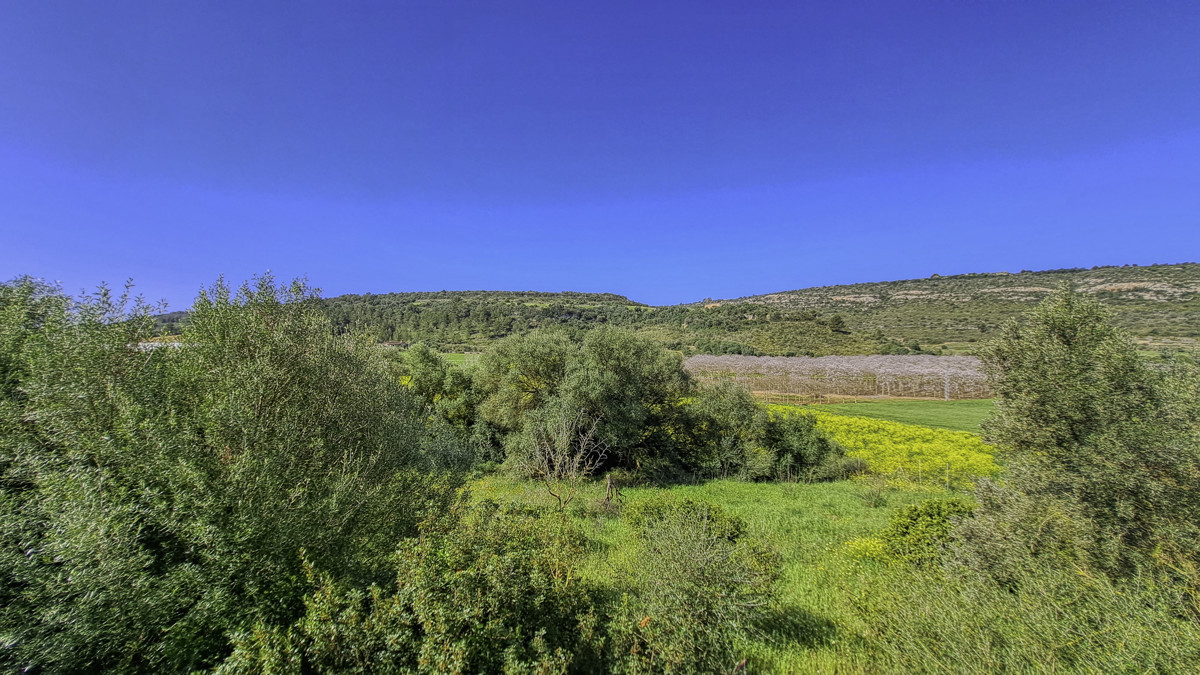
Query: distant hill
1159	304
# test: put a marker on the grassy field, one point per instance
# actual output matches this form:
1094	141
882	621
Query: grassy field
816	625
460	359
962	415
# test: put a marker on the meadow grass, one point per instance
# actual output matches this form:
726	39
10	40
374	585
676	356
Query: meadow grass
460	360
961	415
816	624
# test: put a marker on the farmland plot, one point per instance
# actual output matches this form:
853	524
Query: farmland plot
946	377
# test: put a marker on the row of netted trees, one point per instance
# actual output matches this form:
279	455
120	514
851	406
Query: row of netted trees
914	376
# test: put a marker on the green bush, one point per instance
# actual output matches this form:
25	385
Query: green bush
1085	420
804	452
485	589
728	434
156	498
631	385
1013	531
698	585
918	534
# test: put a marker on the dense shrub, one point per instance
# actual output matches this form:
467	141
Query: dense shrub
628	383
728	434
485	589
804	452
919	533
156	498
698	585
1092	427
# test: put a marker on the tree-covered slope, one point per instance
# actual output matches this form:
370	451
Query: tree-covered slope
472	319
1157	302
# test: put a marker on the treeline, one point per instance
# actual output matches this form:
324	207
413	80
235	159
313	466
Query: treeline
470	321
896	317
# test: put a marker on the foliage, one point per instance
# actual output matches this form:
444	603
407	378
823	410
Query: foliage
1050	621
835	609
446	390
157	496
803	451
910	452
484	589
628	384
699	584
521	374
918	534
1013	531
728	433
1155	301
724	425
1094	427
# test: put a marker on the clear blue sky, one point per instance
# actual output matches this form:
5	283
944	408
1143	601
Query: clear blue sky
667	151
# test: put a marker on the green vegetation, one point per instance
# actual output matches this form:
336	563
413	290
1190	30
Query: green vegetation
268	494
1158	304
155	498
963	415
1153	302
907	452
942	314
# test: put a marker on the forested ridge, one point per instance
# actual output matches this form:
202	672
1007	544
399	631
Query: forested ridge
1158	304
1151	302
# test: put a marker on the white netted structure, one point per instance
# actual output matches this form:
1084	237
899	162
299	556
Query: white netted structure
947	377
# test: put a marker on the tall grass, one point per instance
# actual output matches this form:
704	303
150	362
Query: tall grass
835	612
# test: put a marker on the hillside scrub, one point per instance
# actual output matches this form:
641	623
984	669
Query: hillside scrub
889	317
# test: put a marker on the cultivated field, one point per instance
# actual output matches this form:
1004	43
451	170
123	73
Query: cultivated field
959	415
944	377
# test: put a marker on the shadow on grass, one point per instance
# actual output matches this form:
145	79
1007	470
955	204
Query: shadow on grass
791	625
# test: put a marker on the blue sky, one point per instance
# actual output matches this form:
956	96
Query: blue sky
668	151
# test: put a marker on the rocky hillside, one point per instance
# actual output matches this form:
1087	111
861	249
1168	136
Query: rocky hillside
1158	303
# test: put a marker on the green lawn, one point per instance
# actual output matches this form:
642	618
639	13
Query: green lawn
962	415
817	624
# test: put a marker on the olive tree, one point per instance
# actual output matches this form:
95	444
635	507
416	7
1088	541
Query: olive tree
1092	430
